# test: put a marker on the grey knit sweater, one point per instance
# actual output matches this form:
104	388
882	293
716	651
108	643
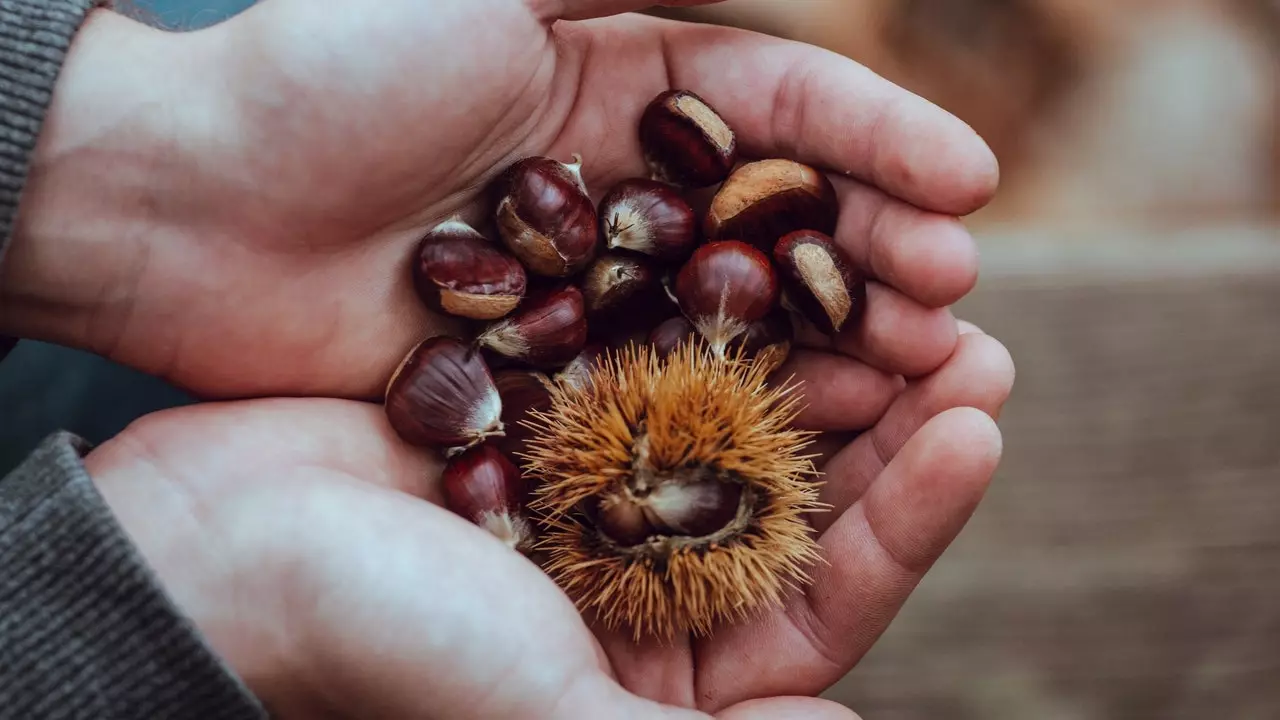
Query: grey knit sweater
86	630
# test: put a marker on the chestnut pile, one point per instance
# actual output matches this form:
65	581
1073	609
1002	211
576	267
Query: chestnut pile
567	280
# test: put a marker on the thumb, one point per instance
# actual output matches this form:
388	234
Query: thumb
551	10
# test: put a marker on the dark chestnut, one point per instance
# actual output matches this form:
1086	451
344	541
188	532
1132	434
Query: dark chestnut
723	288
648	217
764	200
671	334
685	141
545	216
820	280
443	396
485	487
548	332
522	392
577	374
767	340
613	280
461	273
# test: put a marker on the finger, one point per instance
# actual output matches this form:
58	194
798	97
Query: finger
927	256
794	100
897	334
840	393
788	708
877	552
979	375
551	10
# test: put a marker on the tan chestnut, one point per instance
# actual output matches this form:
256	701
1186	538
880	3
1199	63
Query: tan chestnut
820	280
459	272
443	396
485	487
685	141
549	331
723	288
648	217
764	200
545	216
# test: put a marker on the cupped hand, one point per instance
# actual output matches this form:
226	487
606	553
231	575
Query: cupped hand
242	202
304	539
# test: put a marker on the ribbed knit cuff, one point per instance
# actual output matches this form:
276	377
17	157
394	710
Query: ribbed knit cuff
85	629
34	37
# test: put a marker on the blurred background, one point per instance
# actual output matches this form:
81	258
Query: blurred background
1126	563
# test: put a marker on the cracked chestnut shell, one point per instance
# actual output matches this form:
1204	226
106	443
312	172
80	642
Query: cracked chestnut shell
764	200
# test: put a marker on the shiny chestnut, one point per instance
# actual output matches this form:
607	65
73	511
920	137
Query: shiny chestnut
545	216
460	272
764	200
685	141
723	288
648	217
613	280
548	332
443	396
485	487
820	280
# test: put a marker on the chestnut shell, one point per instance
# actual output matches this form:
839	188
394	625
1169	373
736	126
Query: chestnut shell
764	200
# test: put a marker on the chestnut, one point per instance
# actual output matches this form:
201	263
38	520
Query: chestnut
613	280
485	487
682	505
459	272
764	200
685	141
723	288
522	392
671	334
577	374
548	332
768	340
545	216
443	396
648	217
820	280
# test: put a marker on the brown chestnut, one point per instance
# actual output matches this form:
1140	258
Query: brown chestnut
548	332
461	273
443	396
768	340
671	334
683	504
577	374
522	392
648	217
545	216
764	200
685	141
820	280
485	487
723	288
613	280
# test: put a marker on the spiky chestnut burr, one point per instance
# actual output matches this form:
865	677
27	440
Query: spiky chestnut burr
673	494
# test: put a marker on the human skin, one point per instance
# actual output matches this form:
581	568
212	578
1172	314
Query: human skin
242	204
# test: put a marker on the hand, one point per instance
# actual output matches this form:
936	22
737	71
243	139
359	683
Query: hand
295	534
234	209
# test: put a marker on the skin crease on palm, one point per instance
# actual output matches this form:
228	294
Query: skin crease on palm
261	246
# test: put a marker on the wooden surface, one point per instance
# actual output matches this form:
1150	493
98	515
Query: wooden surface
1126	563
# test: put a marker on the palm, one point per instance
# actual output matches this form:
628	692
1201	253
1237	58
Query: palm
313	547
355	128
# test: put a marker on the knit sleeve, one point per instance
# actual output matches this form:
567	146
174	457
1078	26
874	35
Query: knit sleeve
86	630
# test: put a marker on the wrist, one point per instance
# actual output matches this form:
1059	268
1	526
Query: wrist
92	206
